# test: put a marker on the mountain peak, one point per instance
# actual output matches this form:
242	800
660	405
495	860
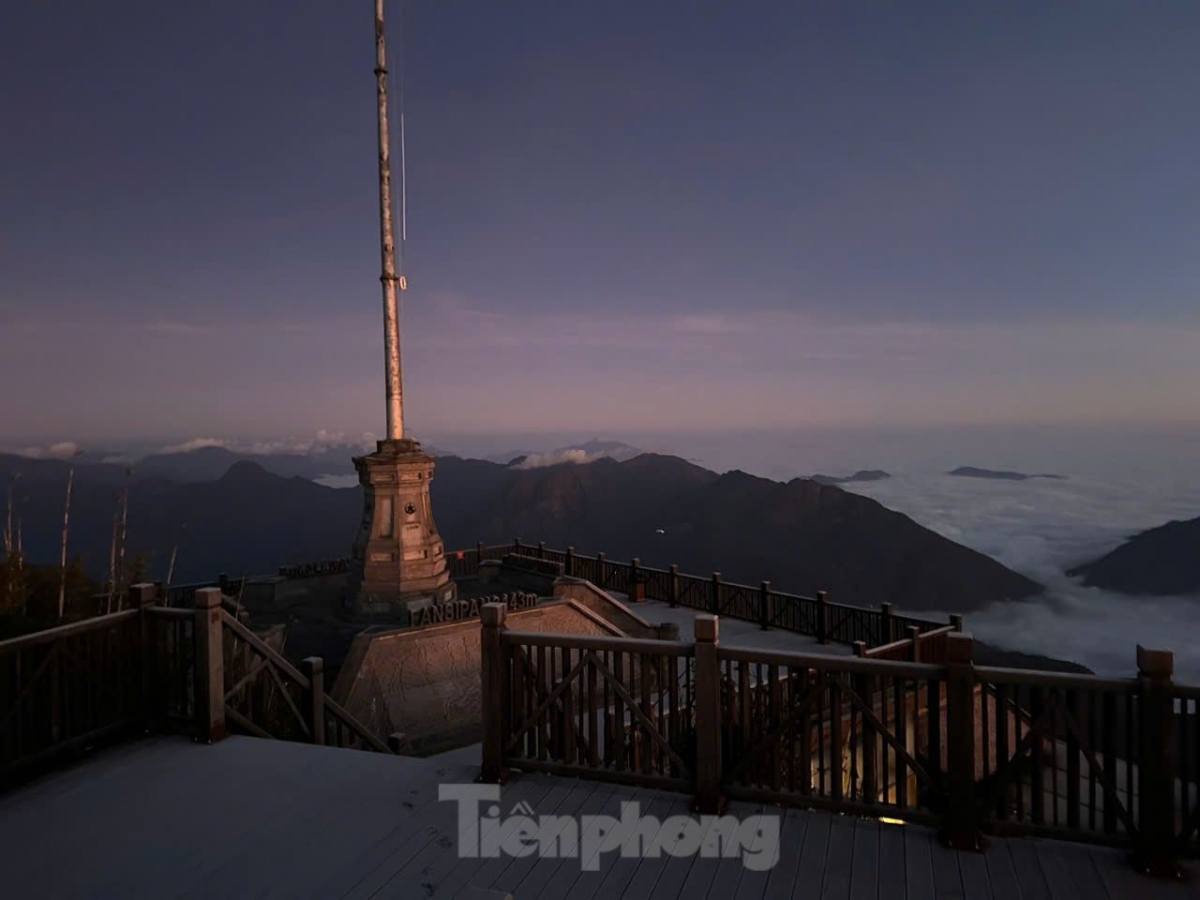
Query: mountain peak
245	471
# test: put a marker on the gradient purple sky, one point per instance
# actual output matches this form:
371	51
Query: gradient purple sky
623	216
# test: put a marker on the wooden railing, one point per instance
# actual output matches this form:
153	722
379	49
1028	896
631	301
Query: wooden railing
928	646
245	685
970	749
67	687
1186	702
319	569
171	658
815	616
194	670
579	705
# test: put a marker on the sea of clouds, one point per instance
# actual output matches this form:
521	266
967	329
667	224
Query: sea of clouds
1042	528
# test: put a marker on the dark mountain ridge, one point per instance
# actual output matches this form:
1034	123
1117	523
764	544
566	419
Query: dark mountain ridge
210	463
1163	560
801	535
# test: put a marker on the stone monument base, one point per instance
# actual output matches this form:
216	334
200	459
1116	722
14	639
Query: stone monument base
396	607
399	562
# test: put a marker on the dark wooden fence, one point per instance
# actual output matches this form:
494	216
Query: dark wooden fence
815	616
197	671
970	749
67	687
250	688
918	646
578	705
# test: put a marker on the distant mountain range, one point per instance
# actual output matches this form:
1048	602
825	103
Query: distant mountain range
972	472
801	535
587	452
330	462
210	463
1164	560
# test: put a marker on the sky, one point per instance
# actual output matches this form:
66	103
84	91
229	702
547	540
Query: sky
622	217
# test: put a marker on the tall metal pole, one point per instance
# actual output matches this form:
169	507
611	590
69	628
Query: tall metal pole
9	543
8	525
391	316
62	562
121	539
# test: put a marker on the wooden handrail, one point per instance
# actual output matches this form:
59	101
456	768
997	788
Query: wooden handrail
356	726
65	631
883	649
171	612
1052	679
262	647
860	665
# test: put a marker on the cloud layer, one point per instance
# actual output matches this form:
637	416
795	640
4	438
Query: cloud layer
1041	528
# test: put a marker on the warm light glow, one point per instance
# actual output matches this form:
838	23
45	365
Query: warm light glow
887	821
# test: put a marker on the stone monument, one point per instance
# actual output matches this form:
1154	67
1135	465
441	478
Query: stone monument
399	562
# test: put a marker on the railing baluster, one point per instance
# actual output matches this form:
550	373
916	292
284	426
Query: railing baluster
494	695
542	687
314	668
1037	705
210	667
708	715
1156	783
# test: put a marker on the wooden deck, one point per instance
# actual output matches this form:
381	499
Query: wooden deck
255	818
734	632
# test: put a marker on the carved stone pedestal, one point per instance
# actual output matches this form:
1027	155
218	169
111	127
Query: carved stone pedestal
399	559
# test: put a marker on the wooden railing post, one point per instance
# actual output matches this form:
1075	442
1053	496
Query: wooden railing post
516	546
822	617
957	621
600	569
715	599
314	668
914	637
569	565
478	554
541	549
708	716
673	591
492	672
210	667
869	768
960	826
889	624
637	591
1154	853
765	614
141	598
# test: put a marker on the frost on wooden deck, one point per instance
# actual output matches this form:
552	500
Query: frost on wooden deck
253	818
734	632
